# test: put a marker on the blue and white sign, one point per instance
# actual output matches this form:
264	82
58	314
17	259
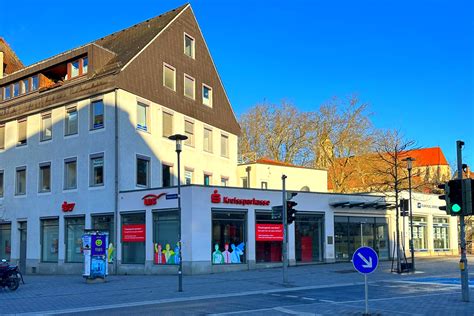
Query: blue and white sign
172	196
365	260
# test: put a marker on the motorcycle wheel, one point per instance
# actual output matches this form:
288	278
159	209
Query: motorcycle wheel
13	283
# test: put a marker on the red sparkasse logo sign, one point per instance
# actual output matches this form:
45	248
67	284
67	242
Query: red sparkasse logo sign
216	198
269	232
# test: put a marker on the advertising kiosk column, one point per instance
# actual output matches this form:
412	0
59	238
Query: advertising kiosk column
95	255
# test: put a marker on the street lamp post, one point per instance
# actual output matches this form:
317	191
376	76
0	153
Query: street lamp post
409	161
179	144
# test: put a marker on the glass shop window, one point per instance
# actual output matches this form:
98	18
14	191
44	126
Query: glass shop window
229	231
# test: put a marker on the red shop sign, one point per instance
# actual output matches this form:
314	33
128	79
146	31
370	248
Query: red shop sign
269	232
133	233
150	199
67	207
216	198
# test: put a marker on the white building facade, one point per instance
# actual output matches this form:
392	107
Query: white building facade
80	127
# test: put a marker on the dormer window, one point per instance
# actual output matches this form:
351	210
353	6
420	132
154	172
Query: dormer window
77	68
20	88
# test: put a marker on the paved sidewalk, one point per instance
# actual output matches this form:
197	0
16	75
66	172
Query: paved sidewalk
47	293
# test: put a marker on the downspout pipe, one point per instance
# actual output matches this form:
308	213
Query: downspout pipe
116	179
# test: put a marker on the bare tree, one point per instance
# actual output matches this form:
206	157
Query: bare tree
343	131
280	132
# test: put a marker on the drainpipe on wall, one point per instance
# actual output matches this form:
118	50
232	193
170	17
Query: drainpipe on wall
116	183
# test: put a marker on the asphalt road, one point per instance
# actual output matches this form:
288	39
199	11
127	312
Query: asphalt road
328	289
385	298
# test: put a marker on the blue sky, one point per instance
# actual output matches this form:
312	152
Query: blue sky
412	61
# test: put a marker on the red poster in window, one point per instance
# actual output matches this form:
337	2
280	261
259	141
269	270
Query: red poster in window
269	232
133	233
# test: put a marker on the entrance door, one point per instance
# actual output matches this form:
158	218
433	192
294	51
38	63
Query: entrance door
23	238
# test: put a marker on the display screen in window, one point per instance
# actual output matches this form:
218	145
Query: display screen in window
268	238
228	238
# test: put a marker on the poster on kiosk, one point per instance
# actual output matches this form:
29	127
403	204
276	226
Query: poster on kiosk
94	245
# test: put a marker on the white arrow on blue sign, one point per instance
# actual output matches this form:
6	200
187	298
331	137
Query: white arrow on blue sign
365	260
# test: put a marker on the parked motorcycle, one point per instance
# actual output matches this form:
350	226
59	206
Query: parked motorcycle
9	276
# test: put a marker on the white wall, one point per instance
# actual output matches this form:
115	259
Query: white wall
161	149
297	177
34	205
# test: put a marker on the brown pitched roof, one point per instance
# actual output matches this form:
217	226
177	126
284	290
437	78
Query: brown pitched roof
129	42
11	60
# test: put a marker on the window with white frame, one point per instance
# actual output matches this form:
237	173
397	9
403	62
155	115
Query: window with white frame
22	128
169	77
70	174
440	233
224	145
142	116
207	141
143	171
206	95
2	136
44	178
189	86
46	127
189	46
189	132
188	177
167	124
97	114
96	170
70	123
224	181
1	183
264	185
20	185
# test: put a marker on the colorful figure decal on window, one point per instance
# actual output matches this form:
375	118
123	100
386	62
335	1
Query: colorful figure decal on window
159	256
169	254
217	257
176	254
237	252
226	254
110	253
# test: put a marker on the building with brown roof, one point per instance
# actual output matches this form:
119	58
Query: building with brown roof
80	127
362	173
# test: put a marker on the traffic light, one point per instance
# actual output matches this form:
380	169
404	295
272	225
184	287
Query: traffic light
403	207
290	207
455	206
453	196
290	211
444	196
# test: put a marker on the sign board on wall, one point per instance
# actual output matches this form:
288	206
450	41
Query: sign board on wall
133	233
269	232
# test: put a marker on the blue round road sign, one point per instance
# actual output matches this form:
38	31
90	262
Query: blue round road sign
365	260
